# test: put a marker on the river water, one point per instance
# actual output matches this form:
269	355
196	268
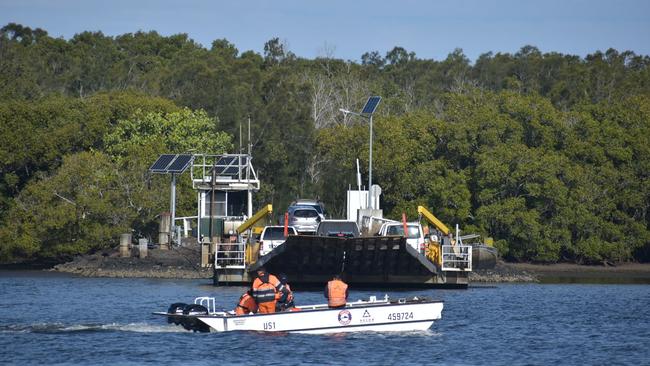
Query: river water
60	319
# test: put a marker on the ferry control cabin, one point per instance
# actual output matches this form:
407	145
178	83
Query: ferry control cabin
225	186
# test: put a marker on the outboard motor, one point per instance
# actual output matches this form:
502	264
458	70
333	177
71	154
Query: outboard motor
191	322
177	309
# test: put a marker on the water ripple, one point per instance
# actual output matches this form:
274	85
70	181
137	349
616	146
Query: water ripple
81	321
53	328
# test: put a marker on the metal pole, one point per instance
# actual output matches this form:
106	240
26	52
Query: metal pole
249	204
370	204
211	211
173	206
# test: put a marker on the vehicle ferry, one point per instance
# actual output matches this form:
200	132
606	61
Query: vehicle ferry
229	238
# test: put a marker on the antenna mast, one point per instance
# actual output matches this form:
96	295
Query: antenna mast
249	135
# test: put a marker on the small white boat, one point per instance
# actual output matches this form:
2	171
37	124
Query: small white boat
379	315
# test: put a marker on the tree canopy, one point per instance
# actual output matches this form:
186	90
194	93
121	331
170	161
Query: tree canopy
547	153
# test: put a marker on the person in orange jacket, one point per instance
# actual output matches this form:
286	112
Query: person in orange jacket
285	302
247	304
336	292
267	289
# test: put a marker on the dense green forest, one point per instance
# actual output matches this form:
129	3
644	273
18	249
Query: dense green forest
547	153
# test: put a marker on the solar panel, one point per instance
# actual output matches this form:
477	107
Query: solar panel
371	105
227	170
160	166
232	170
226	160
179	164
227	165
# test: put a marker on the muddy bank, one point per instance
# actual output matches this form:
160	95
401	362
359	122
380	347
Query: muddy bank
503	272
181	262
575	273
564	273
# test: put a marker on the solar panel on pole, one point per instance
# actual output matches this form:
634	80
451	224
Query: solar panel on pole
160	166
371	105
226	160
179	164
227	165
231	170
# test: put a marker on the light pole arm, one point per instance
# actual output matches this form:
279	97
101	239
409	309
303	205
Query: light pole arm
345	111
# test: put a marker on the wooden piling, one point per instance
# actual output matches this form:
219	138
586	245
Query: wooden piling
164	233
205	254
143	246
125	241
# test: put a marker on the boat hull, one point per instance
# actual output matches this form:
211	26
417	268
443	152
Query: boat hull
380	316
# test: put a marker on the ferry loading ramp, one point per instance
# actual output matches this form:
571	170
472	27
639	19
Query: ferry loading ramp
384	261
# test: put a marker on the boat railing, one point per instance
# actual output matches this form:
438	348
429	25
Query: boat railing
230	255
208	302
456	257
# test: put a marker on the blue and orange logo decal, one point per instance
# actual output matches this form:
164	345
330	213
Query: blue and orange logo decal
345	317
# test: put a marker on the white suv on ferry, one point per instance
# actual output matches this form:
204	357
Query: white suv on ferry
272	237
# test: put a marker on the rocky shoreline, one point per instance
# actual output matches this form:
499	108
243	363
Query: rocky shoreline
184	263
503	273
181	262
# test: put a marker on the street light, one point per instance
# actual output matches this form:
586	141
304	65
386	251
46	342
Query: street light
367	112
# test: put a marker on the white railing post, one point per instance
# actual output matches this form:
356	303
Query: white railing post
456	257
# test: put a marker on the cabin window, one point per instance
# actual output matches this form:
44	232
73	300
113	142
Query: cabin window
226	204
237	203
218	206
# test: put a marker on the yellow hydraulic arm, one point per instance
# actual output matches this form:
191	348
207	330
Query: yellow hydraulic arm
255	218
432	219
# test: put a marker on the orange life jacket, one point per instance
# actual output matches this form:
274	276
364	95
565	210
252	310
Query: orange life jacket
246	305
336	293
268	290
